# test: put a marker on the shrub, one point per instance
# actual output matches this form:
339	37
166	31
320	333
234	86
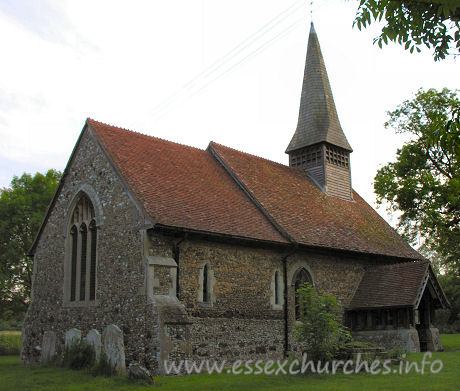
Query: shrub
78	356
103	367
446	322
10	343
319	329
396	353
11	324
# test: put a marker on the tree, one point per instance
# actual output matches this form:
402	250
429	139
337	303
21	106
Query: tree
414	23
450	283
319	329
424	182
22	208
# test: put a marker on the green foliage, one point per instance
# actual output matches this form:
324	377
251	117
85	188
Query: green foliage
82	356
441	322
359	345
319	329
10	343
79	356
414	23
103	367
22	208
368	350
11	321
424	182
450	283
397	353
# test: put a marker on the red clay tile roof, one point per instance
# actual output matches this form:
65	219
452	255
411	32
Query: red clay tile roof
185	187
182	186
307	214
395	285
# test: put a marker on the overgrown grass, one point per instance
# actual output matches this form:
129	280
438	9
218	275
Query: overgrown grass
15	377
10	343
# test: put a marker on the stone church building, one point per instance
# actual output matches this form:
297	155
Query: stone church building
198	253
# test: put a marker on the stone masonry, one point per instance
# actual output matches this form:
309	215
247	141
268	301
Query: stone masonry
120	295
154	295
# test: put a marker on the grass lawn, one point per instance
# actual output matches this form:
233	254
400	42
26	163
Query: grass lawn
13	377
451	342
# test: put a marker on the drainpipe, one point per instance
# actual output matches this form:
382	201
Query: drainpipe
176	256
285	295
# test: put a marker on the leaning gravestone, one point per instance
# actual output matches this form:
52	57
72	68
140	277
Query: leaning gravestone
137	371
72	336
48	347
114	347
93	338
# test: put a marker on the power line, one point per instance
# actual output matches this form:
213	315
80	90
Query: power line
255	52
232	53
191	88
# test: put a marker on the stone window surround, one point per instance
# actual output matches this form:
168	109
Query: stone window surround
280	290
210	288
89	192
293	269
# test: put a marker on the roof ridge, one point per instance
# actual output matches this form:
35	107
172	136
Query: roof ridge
143	134
399	264
252	155
284	166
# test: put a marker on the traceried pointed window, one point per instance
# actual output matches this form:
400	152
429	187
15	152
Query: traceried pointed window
92	271
301	277
81	260
83	251
73	265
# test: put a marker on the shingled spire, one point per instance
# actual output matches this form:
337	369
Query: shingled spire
319	145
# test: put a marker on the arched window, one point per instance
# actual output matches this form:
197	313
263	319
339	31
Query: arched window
73	270
300	277
205	284
92	271
83	252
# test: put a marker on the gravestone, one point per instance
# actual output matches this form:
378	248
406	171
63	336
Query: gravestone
137	371
93	338
114	347
72	336
48	351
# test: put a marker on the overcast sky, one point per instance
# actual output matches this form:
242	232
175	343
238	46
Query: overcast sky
193	71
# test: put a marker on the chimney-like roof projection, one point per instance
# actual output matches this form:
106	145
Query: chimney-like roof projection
318	120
